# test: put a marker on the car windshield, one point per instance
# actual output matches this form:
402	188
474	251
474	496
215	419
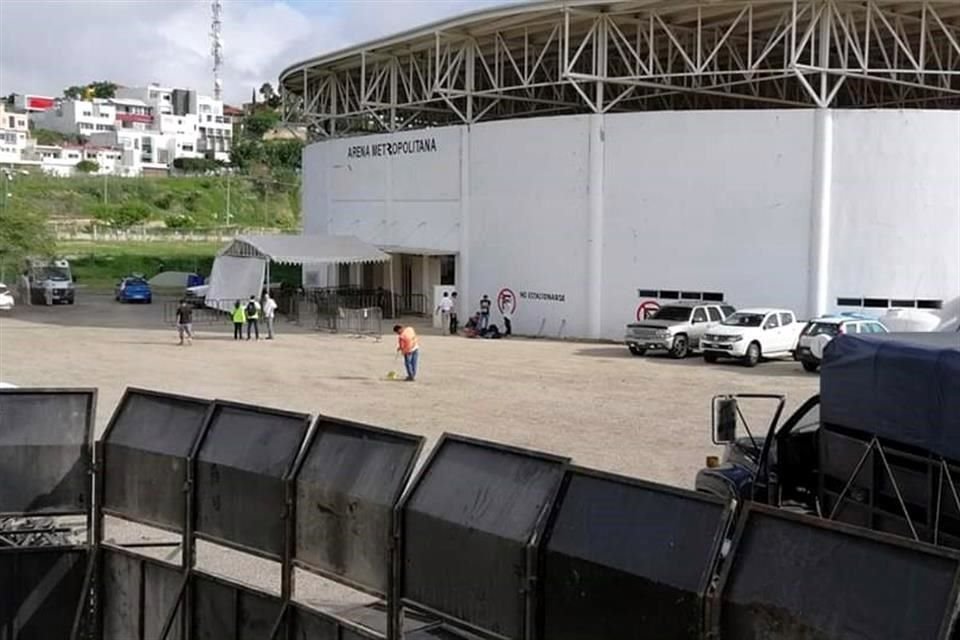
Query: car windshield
3	288
54	273
831	329
673	313
741	319
136	282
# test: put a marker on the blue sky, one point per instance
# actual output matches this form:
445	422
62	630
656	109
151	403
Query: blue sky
46	45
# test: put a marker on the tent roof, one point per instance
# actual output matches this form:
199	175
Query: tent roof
305	249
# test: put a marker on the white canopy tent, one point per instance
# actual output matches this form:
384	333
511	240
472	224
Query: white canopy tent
242	267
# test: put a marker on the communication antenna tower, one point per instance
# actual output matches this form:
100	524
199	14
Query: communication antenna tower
216	46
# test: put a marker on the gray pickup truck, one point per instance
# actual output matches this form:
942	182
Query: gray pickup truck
675	328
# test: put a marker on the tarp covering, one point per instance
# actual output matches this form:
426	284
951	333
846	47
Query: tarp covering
902	387
233	279
305	249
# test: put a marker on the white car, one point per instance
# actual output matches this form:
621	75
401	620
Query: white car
6	298
752	334
821	331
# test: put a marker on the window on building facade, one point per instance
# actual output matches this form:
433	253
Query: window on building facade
188	147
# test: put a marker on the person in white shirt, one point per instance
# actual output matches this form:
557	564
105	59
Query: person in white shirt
269	312
444	308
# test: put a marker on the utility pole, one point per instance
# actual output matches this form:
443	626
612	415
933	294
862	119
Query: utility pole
216	46
228	200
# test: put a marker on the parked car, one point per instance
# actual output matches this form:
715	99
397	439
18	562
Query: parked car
134	289
821	331
6	298
675	328
196	295
752	334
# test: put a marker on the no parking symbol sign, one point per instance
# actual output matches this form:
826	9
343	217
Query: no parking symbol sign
506	301
646	309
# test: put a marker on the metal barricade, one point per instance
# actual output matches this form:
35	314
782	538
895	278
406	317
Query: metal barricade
208	314
360	322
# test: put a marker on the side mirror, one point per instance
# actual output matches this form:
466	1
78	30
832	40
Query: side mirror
724	419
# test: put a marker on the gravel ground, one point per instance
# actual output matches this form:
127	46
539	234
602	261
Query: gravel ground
646	417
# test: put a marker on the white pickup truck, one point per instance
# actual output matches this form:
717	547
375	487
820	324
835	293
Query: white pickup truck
752	334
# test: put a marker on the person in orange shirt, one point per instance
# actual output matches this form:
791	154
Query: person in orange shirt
409	346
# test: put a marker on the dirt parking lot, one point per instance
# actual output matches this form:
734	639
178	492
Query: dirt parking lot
648	417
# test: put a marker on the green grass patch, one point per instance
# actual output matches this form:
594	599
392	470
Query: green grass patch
189	202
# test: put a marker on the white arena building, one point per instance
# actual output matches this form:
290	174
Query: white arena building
575	160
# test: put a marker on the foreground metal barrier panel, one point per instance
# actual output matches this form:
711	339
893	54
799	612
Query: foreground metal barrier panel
145	454
795	577
628	559
45	469
470	528
488	542
243	466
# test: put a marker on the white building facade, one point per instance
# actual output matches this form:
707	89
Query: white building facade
14	135
575	222
584	160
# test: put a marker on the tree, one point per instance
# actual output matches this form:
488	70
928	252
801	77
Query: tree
259	122
283	154
74	91
87	166
101	89
270	97
23	233
48	137
195	165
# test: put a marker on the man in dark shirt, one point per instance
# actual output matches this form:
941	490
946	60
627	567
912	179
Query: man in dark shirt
185	322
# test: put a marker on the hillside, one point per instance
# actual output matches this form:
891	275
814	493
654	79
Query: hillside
190	202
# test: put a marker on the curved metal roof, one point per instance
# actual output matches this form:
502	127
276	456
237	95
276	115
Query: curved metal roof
583	56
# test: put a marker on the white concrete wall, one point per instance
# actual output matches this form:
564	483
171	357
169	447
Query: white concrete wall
895	223
405	199
528	205
714	201
724	201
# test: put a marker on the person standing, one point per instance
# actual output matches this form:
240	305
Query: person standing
446	304
253	317
269	312
409	345
454	317
185	322
507	321
25	289
484	312
239	319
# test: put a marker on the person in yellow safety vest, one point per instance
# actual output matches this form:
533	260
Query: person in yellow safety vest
409	346
239	317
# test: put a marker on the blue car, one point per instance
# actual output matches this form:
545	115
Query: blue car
134	289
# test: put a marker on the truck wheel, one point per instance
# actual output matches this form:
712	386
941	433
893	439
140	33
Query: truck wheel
710	357
810	366
753	355
681	347
637	351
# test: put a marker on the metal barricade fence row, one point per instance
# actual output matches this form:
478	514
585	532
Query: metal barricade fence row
486	541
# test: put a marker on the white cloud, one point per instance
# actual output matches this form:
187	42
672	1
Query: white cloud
46	45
